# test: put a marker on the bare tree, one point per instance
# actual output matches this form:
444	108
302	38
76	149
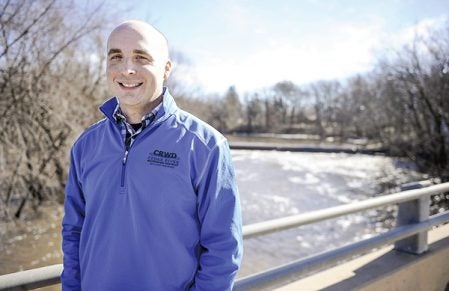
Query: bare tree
292	95
36	60
253	112
324	94
233	109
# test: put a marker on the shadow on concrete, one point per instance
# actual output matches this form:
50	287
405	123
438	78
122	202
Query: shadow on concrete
401	269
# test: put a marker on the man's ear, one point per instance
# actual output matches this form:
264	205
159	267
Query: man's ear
168	68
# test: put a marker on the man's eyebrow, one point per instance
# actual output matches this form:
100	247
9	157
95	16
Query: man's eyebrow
114	51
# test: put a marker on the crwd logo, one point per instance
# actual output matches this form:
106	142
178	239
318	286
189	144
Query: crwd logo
164	154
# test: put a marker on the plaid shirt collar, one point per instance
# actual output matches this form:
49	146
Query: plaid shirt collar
127	131
119	117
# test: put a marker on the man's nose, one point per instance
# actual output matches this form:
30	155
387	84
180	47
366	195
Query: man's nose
129	67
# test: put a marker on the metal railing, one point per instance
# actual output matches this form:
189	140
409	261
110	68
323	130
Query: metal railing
409	235
31	279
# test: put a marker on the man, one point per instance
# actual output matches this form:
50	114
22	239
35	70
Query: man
151	201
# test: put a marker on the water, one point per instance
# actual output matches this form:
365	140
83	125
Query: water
278	184
31	243
272	185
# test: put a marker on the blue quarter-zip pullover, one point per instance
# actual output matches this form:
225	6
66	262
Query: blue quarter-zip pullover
165	216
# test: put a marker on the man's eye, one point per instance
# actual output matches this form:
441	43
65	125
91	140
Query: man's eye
142	58
116	57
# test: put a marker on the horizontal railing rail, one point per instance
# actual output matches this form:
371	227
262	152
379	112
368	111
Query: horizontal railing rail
284	223
39	277
31	279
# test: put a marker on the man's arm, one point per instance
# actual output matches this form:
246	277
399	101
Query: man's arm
72	223
221	226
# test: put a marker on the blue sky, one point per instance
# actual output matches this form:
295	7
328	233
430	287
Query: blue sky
255	43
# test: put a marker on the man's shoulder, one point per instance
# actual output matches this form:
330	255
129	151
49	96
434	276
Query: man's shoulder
90	132
200	129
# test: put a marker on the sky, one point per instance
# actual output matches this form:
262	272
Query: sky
253	44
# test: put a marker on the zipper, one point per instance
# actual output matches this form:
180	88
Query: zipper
125	158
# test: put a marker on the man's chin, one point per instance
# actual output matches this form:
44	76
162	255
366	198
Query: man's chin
129	100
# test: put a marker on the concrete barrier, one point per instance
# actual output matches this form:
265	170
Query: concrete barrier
387	269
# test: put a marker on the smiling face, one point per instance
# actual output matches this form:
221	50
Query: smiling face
137	65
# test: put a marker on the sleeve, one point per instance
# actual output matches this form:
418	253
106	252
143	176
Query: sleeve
221	226
72	223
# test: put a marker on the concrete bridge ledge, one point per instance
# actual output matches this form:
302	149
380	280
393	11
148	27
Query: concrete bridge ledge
387	270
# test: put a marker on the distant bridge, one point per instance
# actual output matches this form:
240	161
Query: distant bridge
411	264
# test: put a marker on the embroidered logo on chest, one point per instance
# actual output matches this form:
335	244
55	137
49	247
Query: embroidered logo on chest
163	158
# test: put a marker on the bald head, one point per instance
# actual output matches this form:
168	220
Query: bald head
146	31
137	66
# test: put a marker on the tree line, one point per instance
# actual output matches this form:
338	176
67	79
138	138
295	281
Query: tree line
52	80
402	105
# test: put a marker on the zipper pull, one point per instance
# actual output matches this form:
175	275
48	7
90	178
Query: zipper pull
125	157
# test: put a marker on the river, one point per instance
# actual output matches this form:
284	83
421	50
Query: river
272	184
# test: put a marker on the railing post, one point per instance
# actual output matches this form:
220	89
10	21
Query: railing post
413	212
